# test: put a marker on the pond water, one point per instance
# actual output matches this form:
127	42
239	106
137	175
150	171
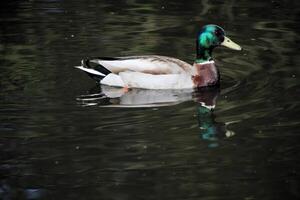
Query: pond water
62	138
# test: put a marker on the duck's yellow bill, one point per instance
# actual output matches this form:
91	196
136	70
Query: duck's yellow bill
230	44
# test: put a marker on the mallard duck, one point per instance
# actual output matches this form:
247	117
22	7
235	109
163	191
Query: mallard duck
162	72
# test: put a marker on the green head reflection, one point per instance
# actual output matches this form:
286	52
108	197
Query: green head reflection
207	125
210	129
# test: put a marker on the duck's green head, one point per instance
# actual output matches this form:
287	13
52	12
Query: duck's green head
209	37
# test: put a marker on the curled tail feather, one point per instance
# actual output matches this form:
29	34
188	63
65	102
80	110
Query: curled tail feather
93	69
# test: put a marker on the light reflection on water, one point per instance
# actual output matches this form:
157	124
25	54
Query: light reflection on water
53	145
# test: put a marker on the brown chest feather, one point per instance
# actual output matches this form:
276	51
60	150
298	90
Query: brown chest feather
206	75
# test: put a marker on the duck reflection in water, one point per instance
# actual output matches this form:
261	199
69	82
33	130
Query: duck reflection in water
206	99
210	129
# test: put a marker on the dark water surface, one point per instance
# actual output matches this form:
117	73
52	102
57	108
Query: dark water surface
57	141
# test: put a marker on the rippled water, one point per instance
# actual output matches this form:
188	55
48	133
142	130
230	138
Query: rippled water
62	137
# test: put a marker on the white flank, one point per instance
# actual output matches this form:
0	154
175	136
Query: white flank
149	81
113	80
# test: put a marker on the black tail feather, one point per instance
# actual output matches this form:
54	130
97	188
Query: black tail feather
96	66
89	64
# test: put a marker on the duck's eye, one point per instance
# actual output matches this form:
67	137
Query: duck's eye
220	35
217	32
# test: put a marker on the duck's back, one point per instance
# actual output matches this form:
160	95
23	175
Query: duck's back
150	64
